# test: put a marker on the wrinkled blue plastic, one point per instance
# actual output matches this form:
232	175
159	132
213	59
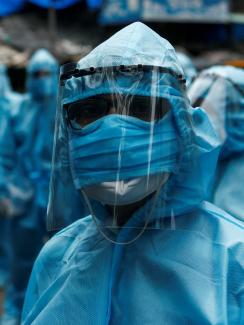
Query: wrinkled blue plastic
8	102
4	240
227	192
186	268
190	267
9	105
33	125
234	111
37	127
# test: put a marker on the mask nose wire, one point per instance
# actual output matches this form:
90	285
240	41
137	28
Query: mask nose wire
155	198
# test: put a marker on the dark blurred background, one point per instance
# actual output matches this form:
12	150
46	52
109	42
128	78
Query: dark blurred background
211	31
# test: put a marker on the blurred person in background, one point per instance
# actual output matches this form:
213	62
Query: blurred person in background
4	202
9	103
34	129
188	67
220	91
151	251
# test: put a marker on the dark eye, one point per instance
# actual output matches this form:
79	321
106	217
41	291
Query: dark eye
149	109
85	112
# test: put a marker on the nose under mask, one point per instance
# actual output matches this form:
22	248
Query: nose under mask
126	192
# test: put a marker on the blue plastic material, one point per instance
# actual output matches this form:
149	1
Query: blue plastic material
8	103
226	109
33	124
4	161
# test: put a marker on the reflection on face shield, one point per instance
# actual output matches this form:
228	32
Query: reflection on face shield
86	111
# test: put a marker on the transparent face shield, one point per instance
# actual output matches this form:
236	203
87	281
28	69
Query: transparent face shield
116	147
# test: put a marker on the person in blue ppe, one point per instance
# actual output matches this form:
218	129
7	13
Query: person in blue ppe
151	251
9	102
34	129
220	90
188	67
4	201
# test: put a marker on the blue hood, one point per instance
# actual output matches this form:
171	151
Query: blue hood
42	60
230	105
188	67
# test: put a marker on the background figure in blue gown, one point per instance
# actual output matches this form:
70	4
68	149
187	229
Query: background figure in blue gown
9	102
34	129
4	201
151	250
220	90
188	67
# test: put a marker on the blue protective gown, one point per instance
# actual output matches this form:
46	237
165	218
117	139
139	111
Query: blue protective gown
4	240
226	109
33	126
186	272
228	190
192	274
9	102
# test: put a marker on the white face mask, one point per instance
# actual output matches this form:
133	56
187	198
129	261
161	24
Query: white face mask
126	192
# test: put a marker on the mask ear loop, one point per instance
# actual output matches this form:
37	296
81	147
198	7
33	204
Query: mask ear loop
144	227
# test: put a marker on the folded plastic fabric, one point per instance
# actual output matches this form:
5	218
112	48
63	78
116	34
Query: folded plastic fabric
220	90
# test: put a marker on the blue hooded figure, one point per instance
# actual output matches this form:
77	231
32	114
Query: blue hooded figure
220	90
151	250
9	103
33	124
187	66
5	204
